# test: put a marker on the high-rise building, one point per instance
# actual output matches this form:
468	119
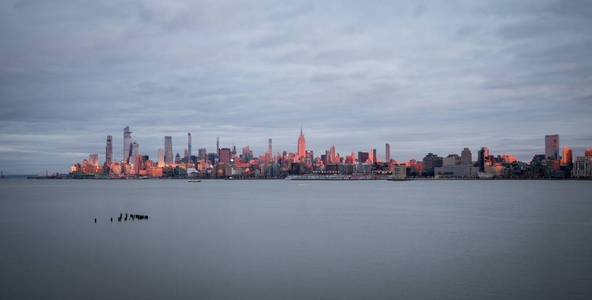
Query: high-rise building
168	150
374	158
430	162
93	159
567	156
218	145
552	146
363	157
483	155
202	154
127	142
135	150
301	146
588	153
189	145
247	154
224	156
160	158
269	149
332	155
466	157
387	155
109	150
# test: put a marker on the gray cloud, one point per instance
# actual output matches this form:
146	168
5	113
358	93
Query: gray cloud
433	77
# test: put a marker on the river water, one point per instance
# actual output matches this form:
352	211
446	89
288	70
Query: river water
278	239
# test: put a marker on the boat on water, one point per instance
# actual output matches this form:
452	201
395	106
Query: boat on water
194	180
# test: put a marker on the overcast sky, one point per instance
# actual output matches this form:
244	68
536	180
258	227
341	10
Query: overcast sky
431	77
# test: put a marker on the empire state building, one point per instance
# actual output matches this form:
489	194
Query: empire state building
301	146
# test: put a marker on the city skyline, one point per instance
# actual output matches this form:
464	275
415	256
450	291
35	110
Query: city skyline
178	146
422	77
226	162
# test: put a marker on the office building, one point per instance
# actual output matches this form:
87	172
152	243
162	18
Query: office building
567	156
431	161
127	143
224	156
387	155
109	150
168	150
466	157
93	159
399	172
160	158
483	156
552	146
269	149
135	149
363	157
301	146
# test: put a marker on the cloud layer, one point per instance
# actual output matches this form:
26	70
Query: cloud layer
430	77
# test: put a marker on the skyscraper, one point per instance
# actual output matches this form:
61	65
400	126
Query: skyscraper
552	146
301	146
109	150
466	157
189	145
387	156
483	155
332	154
93	159
135	150
168	150
225	155
567	156
362	157
127	141
269	149
160	158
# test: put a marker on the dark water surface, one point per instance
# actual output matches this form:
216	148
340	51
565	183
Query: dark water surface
296	240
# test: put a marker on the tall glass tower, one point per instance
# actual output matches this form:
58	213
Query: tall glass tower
127	142
109	150
168	150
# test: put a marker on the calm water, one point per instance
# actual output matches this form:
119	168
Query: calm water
296	240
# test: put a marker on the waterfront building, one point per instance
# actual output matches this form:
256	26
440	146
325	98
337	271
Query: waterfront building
127	143
466	157
109	150
168	150
269	149
451	160
567	156
301	146
588	153
374	159
552	146
399	171
430	161
160	158
582	167
457	171
387	155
